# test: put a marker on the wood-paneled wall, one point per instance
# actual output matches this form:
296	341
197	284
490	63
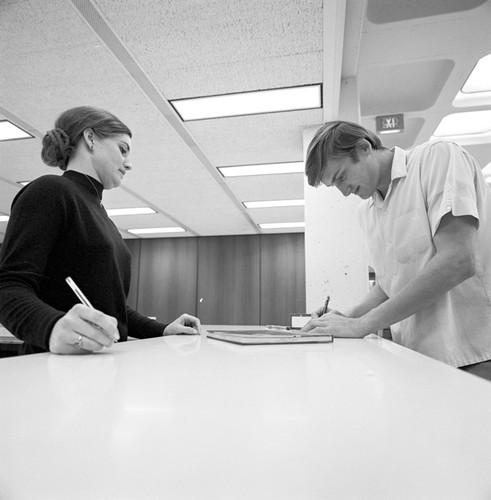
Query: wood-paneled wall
241	280
167	284
282	277
228	280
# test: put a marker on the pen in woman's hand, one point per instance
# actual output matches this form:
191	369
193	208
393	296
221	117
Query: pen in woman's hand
326	304
78	292
85	301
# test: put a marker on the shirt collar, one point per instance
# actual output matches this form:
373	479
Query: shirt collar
397	171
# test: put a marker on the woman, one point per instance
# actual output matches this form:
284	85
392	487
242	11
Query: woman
58	227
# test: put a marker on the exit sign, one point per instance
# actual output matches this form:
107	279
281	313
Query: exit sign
390	124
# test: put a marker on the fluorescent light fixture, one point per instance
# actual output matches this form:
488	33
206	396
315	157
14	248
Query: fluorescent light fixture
9	132
112	212
274	203
157	230
4	218
480	78
263	169
468	123
281	225
249	103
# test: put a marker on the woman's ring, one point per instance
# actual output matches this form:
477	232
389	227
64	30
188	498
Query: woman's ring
78	342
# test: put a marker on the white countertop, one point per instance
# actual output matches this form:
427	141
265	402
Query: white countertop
190	418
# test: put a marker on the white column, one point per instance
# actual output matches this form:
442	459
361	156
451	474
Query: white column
335	254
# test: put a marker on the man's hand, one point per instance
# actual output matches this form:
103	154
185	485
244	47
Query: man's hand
335	324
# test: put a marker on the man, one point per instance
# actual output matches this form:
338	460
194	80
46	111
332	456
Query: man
427	219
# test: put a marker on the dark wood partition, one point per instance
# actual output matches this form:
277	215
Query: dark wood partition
228	280
134	247
168	278
282	277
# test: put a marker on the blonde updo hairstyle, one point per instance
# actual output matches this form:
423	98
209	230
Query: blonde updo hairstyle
60	142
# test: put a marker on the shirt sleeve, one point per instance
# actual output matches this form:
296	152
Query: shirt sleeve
142	327
448	182
37	217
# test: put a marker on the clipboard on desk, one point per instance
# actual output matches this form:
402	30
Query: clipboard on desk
267	337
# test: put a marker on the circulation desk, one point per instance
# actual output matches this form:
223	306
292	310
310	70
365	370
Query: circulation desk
194	418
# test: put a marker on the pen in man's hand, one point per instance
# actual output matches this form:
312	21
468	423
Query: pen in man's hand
326	305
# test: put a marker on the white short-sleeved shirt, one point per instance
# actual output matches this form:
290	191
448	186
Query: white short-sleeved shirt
428	182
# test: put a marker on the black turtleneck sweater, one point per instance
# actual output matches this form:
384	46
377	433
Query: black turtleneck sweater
58	228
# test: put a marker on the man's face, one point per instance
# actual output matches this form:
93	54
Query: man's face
359	178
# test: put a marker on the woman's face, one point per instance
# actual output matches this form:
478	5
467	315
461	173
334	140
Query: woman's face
110	159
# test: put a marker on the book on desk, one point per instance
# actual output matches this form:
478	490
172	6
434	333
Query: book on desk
268	337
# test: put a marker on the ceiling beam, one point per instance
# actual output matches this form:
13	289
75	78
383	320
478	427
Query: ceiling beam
355	16
343	26
334	13
94	18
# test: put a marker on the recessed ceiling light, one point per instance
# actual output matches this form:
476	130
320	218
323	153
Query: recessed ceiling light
249	103
113	212
263	169
281	225
487	172
479	80
476	90
156	230
274	203
468	123
4	218
472	100
9	132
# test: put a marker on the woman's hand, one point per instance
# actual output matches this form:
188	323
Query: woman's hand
186	324
83	330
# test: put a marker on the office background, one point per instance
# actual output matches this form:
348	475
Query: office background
141	59
230	280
